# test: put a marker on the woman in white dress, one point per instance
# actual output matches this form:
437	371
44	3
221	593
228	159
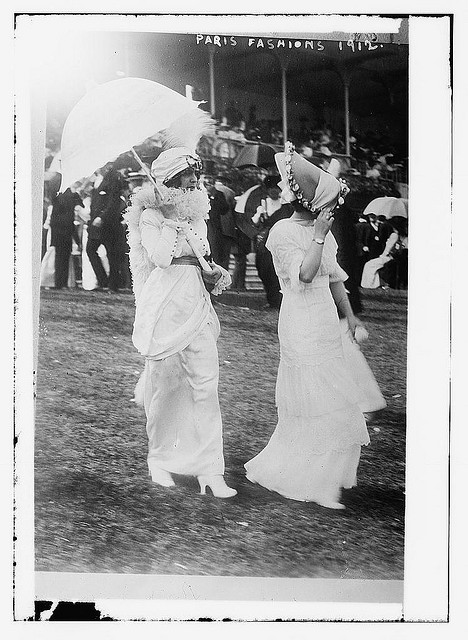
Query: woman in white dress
176	327
315	449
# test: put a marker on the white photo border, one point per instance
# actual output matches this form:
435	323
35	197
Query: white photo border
426	564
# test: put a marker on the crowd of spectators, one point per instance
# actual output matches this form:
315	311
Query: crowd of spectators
373	155
84	235
80	253
99	248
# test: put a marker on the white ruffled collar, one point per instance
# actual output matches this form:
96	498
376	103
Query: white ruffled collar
191	205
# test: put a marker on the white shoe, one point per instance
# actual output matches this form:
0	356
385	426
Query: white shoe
217	485
332	505
161	477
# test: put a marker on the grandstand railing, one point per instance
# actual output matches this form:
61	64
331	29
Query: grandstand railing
222	152
399	174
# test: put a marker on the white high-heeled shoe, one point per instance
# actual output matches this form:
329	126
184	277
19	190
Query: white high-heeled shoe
161	477
217	485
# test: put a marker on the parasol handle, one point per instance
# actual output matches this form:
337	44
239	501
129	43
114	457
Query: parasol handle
198	254
147	171
203	263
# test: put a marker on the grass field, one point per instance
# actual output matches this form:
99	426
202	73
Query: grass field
96	508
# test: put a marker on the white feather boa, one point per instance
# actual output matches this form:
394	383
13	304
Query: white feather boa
176	204
187	205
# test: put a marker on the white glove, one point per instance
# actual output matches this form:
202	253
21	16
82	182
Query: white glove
260	211
360	334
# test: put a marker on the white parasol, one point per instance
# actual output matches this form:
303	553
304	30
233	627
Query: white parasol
111	119
388	206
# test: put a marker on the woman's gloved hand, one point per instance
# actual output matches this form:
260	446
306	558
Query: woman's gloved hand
181	226
210	278
218	280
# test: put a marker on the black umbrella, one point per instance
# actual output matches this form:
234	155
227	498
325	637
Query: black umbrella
256	155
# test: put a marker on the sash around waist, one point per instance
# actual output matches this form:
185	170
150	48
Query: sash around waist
186	260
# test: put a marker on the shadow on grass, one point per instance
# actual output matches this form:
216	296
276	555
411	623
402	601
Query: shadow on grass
367	499
390	417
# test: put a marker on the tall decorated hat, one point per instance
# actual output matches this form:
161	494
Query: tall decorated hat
179	146
301	180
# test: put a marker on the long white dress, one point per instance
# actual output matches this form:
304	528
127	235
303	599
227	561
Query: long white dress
370	274
176	329
315	449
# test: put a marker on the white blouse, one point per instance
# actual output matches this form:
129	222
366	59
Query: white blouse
174	303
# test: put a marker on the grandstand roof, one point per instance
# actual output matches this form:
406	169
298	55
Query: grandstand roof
313	66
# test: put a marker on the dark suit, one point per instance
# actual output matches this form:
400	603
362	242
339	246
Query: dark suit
108	203
245	234
376	242
370	242
362	233
63	232
344	231
220	244
263	259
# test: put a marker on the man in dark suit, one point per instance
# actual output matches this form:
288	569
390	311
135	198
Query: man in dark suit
269	213
370	240
362	233
375	241
220	243
385	228
63	232
228	220
344	230
108	201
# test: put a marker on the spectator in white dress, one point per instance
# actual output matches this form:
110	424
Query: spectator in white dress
396	244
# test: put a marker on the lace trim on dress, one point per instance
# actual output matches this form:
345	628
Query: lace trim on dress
337	431
314	390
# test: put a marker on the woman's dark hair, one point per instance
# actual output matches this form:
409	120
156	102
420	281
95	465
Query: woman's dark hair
176	181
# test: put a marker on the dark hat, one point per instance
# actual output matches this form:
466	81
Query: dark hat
271	181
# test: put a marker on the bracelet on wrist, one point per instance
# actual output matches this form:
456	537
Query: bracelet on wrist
320	241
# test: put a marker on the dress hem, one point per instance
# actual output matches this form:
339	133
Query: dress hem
290	497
